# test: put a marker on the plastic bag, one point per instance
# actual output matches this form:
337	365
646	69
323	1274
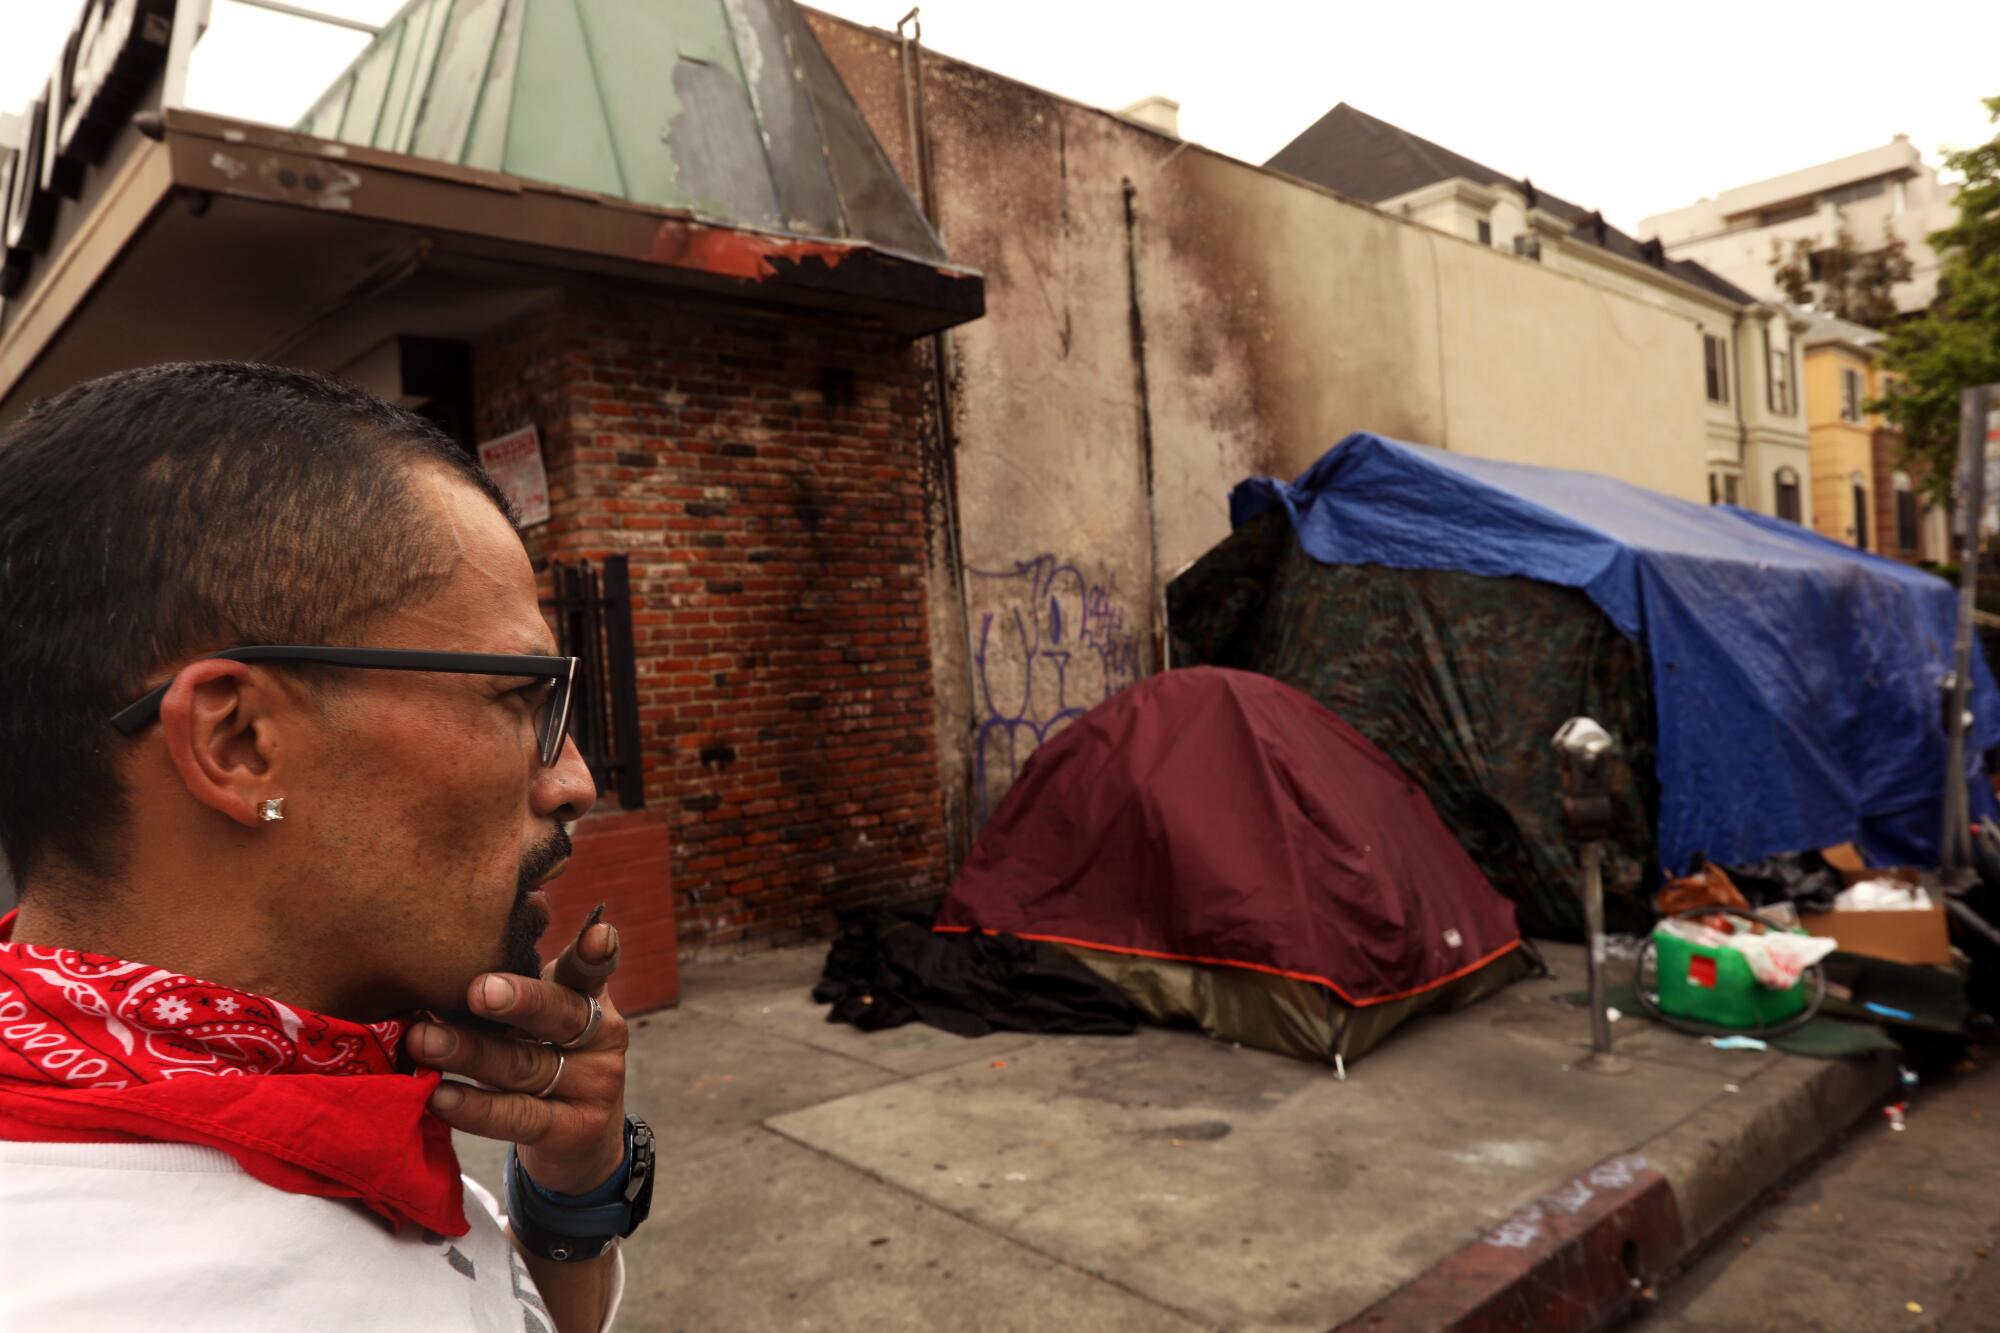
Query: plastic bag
1883	895
1803	878
1776	958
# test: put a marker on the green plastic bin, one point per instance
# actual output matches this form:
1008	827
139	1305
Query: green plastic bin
1716	986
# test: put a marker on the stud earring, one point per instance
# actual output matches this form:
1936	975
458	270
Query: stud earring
271	811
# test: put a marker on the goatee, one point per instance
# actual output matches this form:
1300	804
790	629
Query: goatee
525	923
528	919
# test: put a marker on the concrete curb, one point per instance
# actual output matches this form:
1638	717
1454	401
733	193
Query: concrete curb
1721	1161
1575	1258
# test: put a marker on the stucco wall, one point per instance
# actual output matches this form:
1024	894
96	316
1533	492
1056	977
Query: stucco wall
1275	319
1840	449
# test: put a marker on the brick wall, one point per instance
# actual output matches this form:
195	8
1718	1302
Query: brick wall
764	476
1887	459
623	859
1881	498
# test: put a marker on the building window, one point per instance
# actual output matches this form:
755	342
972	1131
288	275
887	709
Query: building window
1715	364
1714	489
1906	513
1860	512
1528	246
1485	232
1771	217
1850	395
1787	491
1854	194
1731	489
1778	377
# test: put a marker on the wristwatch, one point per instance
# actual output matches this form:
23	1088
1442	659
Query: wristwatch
570	1228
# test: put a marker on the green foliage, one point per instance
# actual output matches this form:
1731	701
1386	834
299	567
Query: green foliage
1956	344
1845	281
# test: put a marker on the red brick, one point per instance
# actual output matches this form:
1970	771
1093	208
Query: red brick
810	661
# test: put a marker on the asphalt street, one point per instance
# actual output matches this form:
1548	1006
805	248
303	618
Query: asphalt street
1893	1230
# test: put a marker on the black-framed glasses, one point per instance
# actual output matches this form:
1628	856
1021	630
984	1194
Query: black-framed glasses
552	724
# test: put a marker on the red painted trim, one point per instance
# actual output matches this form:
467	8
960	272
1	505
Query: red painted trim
1444	980
737	254
1572	1261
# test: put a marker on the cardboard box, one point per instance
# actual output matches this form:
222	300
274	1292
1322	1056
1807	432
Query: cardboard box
1901	937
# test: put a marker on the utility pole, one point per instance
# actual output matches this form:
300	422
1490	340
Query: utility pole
1976	429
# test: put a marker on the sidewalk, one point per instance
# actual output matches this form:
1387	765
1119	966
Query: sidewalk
816	1177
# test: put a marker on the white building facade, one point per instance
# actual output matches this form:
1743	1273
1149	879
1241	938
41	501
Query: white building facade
1747	376
1759	451
1886	190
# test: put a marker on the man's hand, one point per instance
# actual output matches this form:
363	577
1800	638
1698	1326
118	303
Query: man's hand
573	1139
569	1141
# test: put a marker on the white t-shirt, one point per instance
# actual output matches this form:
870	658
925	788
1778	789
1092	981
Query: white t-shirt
145	1236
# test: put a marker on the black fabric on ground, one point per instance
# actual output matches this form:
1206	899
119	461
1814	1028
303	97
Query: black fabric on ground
1933	997
1803	878
887	968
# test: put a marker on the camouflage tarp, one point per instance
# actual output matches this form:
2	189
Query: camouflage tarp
1460	678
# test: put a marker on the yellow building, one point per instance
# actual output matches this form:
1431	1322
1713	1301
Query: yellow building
1862	493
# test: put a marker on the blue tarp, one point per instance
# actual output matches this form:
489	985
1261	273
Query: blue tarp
1795	679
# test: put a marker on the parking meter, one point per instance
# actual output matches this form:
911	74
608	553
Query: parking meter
1587	751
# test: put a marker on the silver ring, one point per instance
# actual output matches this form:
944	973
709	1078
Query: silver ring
557	1079
589	1027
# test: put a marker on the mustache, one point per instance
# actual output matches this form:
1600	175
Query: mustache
541	859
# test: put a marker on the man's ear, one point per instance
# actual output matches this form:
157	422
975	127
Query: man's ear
219	720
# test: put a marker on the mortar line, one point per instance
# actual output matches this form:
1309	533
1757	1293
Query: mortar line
829	1050
795	1041
1199	1320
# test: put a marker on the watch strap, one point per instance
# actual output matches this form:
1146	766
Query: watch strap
548	1225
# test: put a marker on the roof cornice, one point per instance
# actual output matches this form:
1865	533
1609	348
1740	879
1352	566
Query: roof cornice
1611	259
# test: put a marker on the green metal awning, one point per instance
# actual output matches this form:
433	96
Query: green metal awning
727	109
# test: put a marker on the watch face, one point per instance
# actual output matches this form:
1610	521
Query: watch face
639	1189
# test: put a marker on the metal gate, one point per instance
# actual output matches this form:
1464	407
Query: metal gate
592	613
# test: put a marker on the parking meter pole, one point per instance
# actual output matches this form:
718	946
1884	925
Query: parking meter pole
1587	751
1593	926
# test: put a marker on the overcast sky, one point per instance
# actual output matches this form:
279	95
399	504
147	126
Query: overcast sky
1631	108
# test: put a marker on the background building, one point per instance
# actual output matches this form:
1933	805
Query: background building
1888	187
1863	492
1751	429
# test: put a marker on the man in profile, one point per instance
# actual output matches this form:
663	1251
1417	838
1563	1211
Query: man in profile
286	767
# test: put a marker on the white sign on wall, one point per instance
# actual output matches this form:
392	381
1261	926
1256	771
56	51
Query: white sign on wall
514	461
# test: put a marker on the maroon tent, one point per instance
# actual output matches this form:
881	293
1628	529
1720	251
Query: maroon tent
1231	852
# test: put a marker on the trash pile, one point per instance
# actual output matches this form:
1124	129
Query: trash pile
1777	959
1877	970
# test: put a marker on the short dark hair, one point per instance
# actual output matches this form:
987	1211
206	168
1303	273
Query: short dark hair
157	514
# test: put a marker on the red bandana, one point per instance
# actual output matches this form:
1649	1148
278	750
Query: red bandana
99	1050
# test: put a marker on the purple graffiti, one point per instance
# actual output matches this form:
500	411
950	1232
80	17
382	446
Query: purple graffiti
1050	646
